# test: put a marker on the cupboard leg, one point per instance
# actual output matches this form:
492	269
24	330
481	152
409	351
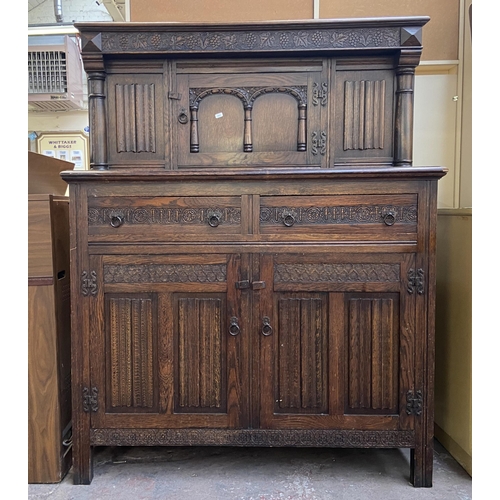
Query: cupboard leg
83	470
421	467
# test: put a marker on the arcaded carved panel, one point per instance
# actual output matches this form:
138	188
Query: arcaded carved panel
163	216
165	273
302	365
131	352
253	437
358	214
364	114
373	354
261	41
247	95
135	118
336	273
200	383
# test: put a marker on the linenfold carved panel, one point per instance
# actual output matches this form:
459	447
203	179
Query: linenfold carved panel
135	118
200	380
364	114
131	352
372	354
302	366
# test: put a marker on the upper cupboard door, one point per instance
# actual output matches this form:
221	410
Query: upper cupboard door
243	113
364	113
135	110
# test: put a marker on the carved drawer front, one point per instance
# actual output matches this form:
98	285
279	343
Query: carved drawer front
340	217
164	219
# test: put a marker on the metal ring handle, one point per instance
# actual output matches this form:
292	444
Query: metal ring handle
214	220
116	221
389	218
183	117
234	328
267	329
288	219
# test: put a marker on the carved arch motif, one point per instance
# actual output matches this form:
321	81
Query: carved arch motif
248	96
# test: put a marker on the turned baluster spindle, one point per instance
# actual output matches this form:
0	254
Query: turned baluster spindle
97	111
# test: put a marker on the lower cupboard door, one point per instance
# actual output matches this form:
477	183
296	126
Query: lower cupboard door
338	352
166	343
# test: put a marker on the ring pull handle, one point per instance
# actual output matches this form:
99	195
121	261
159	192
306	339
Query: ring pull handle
214	218
288	219
183	117
389	218
116	221
267	329
234	328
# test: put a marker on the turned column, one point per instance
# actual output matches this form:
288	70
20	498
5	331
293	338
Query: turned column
403	126
97	113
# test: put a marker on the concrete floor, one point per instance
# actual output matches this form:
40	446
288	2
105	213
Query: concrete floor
258	474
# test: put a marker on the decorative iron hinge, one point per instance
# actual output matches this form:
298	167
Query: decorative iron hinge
416	281
90	399
89	283
320	95
318	144
414	403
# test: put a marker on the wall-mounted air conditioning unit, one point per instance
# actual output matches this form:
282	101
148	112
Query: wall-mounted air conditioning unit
55	74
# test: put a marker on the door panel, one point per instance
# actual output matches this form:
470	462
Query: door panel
200	352
244	114
170	348
301	346
331	358
132	377
372	357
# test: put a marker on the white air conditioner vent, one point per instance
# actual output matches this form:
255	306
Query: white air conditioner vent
55	74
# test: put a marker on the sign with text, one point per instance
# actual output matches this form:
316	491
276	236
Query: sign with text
67	146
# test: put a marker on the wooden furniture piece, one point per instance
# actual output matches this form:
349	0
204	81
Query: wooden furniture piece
253	253
49	347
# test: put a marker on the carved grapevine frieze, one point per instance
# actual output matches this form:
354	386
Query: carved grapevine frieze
268	40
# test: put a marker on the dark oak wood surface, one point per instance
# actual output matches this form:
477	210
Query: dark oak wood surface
252	249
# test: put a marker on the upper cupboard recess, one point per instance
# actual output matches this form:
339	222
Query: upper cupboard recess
315	112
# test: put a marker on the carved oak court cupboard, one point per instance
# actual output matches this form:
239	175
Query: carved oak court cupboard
252	250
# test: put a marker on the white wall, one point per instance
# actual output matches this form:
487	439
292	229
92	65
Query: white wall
434	139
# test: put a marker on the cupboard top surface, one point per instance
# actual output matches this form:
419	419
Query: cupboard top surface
373	173
291	36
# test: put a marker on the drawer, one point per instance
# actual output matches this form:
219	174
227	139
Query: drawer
164	219
339	217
